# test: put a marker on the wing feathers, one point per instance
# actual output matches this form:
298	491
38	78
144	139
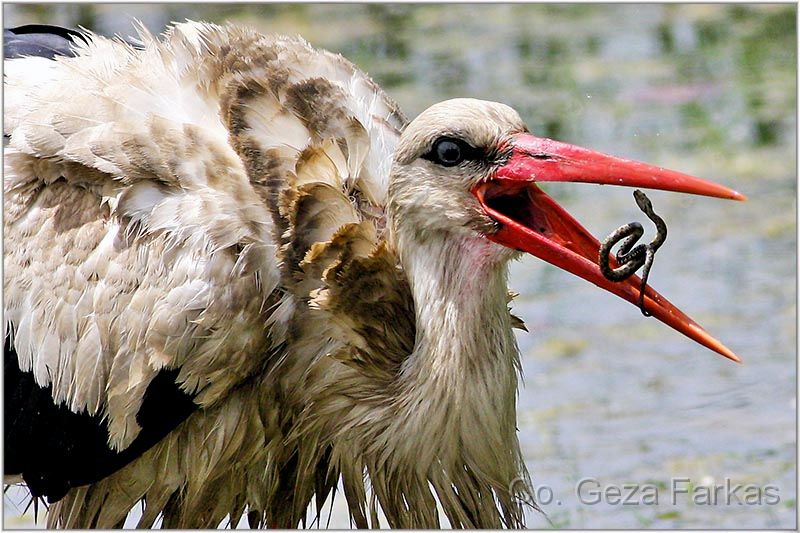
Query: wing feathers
209	207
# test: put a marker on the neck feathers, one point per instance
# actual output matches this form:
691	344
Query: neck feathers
462	320
457	390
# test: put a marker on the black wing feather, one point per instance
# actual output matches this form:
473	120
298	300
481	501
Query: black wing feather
40	40
55	449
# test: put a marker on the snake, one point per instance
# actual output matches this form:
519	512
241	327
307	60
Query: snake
630	256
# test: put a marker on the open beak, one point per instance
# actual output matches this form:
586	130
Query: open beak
533	222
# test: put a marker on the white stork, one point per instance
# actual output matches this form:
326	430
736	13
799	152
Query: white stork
235	274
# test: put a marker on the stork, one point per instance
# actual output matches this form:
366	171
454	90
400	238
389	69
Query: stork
236	275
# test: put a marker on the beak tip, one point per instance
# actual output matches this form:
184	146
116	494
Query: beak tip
698	334
735	358
727	353
738	196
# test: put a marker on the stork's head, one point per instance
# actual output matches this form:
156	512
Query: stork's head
467	169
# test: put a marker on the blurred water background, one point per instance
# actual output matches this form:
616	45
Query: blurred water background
610	395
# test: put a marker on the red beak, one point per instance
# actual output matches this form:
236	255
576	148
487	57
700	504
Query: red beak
532	222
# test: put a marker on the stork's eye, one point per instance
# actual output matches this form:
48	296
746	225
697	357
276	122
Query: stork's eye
449	152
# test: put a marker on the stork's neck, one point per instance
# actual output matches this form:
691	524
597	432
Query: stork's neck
461	377
463	367
460	297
